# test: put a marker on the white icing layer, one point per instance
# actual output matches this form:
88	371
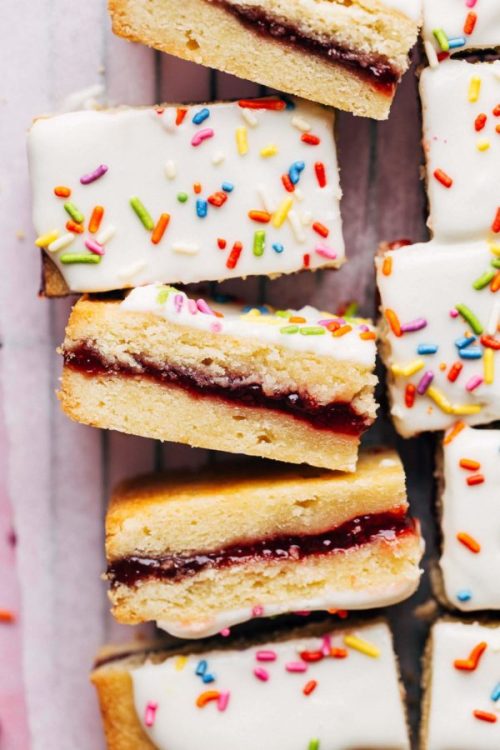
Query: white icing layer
451	15
466	210
274	714
371	598
150	157
456	694
472	580
258	323
426	283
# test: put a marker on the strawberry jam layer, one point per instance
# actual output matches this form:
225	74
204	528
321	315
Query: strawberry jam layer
375	69
354	533
337	416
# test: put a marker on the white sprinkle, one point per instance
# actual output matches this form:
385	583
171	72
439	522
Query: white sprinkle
431	54
300	123
387	462
306	218
493	321
170	169
168	118
218	157
105	234
186	248
267	200
299	195
249	117
296	226
132	270
61	242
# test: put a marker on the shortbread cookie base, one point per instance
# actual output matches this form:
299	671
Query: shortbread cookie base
206	33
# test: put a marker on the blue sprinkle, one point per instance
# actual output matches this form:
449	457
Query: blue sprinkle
472	353
290	104
201	667
201	116
464	596
278	247
495	694
456	41
465	341
427	348
295	170
201	208
208	678
227	187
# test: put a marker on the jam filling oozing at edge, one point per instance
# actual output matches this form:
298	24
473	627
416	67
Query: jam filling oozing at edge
374	68
338	417
354	533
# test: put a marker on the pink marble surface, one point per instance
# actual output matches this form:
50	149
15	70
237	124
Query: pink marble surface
55	475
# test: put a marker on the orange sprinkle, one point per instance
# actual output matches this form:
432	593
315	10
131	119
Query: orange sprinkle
393	321
470	22
309	687
263	217
480	122
368	335
497	128
62	191
197	188
7	616
468	541
339	653
410	394
485	716
221	243
495	227
496	111
297	319
443	178
495	282
181	113
320	229
472	661
333	327
159	229
310	139
455	430
95	219
342	331
387	265
206	697
475	479
442	366
72	226
469	464
287	183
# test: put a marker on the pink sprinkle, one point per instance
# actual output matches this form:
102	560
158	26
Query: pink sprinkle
94	247
326	321
325	252
474	382
178	302
453	313
192	306
150	715
201	136
296	666
225	632
93	176
261	674
222	701
203	307
414	325
425	382
266	655
257	611
470	3
326	646
364	328
216	327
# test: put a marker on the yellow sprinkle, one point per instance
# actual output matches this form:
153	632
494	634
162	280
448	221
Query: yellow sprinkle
494	249
474	88
270	150
242	140
465	409
407	370
489	366
45	239
483	145
439	399
282	212
358	644
180	663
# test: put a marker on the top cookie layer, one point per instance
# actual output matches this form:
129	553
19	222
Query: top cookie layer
189	194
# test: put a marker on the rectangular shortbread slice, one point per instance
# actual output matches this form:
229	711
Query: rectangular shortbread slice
350	55
304	689
292	386
461	26
200	554
184	194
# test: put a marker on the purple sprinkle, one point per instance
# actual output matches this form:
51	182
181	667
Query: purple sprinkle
425	382
364	328
178	302
414	325
93	176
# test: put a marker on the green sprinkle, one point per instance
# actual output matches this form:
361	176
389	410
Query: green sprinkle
442	39
470	318
289	329
484	279
351	310
495	262
259	243
75	214
312	330
163	295
313	745
141	212
182	197
80	258
282	313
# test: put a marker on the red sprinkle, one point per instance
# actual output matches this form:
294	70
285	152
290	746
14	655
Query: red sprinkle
455	371
470	22
273	104
221	243
288	184
490	342
443	178
320	229
475	479
442	56
410	394
217	199
181	113
495	227
310	139
480	122
7	616
72	226
62	191
319	169
309	687
306	260
485	716
312	656
496	111
234	255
